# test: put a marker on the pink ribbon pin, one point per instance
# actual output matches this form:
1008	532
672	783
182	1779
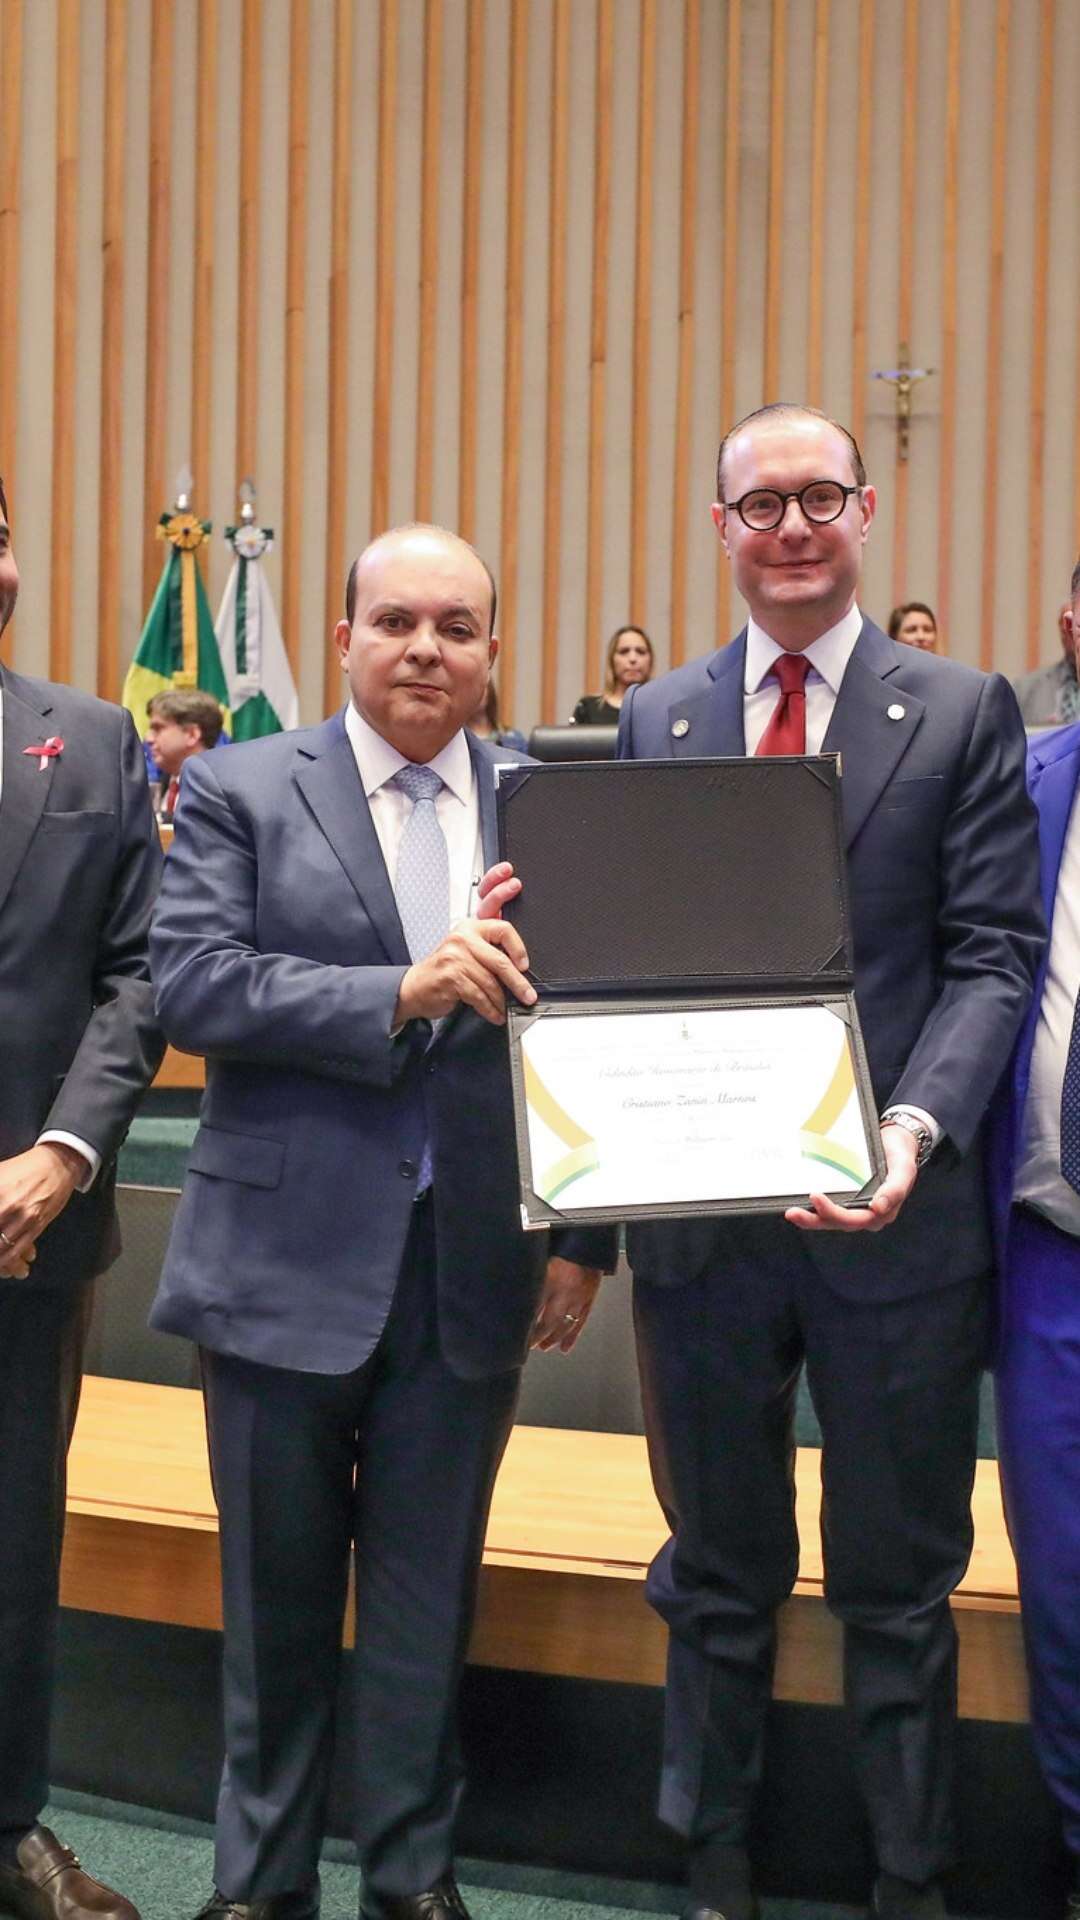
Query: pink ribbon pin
50	749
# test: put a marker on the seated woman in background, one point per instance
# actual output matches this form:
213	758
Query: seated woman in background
629	662
485	722
915	625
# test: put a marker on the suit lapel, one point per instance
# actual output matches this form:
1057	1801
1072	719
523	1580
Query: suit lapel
872	726
710	724
25	784
484	761
328	779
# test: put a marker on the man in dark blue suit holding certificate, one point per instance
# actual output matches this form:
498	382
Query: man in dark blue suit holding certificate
885	1304
348	1249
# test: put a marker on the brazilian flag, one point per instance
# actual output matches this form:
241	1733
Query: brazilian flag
178	647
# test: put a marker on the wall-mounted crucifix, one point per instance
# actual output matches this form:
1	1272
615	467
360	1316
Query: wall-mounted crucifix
904	378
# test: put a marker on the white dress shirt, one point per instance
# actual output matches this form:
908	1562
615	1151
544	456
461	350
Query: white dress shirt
89	1153
456	805
1040	1182
828	656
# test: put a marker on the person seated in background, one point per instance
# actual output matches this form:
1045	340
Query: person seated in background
1050	697
182	721
915	625
629	662
484	723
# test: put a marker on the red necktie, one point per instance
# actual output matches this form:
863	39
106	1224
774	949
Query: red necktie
173	793
786	731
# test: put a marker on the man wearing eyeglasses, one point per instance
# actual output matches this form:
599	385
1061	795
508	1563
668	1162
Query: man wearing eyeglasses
884	1304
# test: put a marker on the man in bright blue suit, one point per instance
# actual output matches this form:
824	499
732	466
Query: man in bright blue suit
348	1250
1036	1188
884	1304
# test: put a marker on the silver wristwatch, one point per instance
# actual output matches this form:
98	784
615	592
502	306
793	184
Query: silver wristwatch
900	1117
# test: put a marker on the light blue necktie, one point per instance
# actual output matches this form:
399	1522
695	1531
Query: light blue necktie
422	884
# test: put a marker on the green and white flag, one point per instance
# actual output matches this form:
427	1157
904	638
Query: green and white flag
262	693
177	647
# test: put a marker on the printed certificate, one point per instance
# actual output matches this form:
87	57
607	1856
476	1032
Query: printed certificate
693	1108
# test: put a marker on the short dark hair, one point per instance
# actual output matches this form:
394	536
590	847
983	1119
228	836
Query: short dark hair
900	614
789	409
1076	580
418	527
189	707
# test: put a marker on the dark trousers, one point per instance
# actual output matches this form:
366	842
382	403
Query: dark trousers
399	1460
1038	1402
896	1391
42	1338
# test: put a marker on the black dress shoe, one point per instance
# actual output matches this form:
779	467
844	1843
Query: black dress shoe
896	1899
48	1883
441	1902
303	1905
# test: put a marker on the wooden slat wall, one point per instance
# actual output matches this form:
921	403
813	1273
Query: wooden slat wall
202	305
64	304
996	278
111	449
337	436
11	62
159	164
295	324
568	243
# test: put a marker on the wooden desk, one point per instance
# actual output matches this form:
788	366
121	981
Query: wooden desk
573	1527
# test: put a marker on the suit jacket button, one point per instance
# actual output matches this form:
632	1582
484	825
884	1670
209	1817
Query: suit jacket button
408	1169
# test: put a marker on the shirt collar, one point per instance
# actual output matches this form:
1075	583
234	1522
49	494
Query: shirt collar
828	654
377	761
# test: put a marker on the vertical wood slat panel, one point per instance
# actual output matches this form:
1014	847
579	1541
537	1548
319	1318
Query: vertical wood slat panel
729	310
65	308
511	437
295	325
947	444
202	314
995	298
861	271
337	383
774	243
601	228
157	288
385	214
247	259
680	493
429	258
815	328
110	455
556	364
642	367
470	267
906	238
1039	292
11	32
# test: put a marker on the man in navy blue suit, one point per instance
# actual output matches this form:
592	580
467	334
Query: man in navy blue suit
884	1304
348	1249
1036	1187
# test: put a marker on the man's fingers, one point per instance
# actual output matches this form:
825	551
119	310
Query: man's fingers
500	934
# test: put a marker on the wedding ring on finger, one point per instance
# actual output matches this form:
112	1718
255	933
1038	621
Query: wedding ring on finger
571	1319
4	1238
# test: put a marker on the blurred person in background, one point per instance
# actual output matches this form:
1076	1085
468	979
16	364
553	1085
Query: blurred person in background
629	662
915	625
1050	697
182	721
484	723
